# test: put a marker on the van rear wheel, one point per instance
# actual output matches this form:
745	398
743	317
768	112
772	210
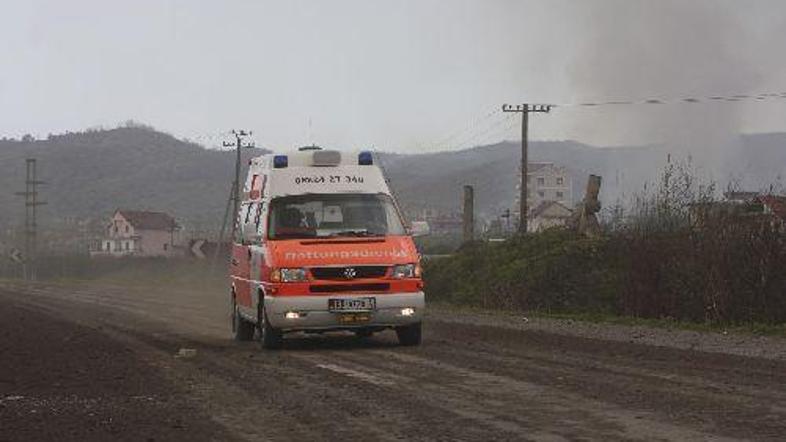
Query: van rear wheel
409	334
270	337
242	330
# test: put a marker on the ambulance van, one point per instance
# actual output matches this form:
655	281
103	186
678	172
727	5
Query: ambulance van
321	246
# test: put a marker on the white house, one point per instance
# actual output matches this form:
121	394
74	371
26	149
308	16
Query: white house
139	233
548	214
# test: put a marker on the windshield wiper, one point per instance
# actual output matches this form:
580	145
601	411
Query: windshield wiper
359	233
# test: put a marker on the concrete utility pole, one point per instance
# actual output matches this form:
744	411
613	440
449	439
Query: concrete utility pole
238	144
31	225
524	109
234	192
469	213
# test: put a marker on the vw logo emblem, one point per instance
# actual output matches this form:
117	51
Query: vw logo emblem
350	273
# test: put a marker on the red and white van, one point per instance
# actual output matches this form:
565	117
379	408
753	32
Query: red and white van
321	245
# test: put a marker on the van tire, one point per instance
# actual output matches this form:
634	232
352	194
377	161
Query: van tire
409	335
270	338
242	330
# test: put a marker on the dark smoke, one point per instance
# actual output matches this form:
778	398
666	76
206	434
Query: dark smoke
663	50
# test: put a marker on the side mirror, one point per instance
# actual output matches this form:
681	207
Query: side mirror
419	228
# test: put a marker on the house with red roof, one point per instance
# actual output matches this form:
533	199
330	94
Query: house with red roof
774	206
139	233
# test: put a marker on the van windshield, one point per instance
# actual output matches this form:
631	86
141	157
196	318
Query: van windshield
333	215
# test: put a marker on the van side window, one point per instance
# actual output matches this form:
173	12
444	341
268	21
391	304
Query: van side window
257	187
254	191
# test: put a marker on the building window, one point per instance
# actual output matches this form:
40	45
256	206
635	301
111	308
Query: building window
126	228
541	181
560	181
560	195
128	246
166	246
541	194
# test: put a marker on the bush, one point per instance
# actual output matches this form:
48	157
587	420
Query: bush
679	254
554	271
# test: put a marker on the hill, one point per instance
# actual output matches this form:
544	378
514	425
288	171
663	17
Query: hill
91	173
753	162
493	171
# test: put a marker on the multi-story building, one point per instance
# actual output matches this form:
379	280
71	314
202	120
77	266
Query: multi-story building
546	182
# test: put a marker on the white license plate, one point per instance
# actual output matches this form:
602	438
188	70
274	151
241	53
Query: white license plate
352	304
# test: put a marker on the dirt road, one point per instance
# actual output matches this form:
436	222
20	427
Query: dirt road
100	363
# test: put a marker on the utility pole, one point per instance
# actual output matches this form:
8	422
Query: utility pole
524	109
31	225
234	193
469	213
238	144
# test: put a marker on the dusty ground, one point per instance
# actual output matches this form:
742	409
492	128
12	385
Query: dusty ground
99	363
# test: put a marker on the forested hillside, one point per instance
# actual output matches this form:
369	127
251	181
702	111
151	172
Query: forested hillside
93	172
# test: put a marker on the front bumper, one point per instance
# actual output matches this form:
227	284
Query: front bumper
315	315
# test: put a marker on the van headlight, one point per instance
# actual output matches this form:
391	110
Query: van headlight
288	275
406	271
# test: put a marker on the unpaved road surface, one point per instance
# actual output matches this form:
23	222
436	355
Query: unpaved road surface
100	363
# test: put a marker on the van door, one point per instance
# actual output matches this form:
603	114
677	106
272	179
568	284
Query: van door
258	249
241	259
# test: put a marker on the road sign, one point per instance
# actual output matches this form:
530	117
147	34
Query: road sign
196	248
16	256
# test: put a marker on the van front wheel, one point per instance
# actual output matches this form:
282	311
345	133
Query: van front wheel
409	335
242	330
271	338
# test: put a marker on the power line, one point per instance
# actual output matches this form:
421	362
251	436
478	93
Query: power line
688	99
458	139
473	124
467	142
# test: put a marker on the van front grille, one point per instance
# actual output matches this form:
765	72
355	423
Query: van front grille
336	288
349	272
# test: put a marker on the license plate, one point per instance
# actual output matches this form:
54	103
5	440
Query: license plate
352	304
354	318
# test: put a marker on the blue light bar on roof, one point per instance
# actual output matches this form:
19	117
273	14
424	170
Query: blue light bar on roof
280	161
365	158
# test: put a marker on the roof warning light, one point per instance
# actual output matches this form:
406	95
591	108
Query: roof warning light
280	161
365	158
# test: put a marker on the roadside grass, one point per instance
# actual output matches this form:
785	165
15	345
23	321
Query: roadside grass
750	329
757	329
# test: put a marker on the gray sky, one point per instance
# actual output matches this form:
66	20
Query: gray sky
396	75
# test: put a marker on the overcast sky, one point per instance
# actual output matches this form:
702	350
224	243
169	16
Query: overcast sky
395	75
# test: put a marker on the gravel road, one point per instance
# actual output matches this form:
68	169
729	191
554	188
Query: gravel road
99	363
